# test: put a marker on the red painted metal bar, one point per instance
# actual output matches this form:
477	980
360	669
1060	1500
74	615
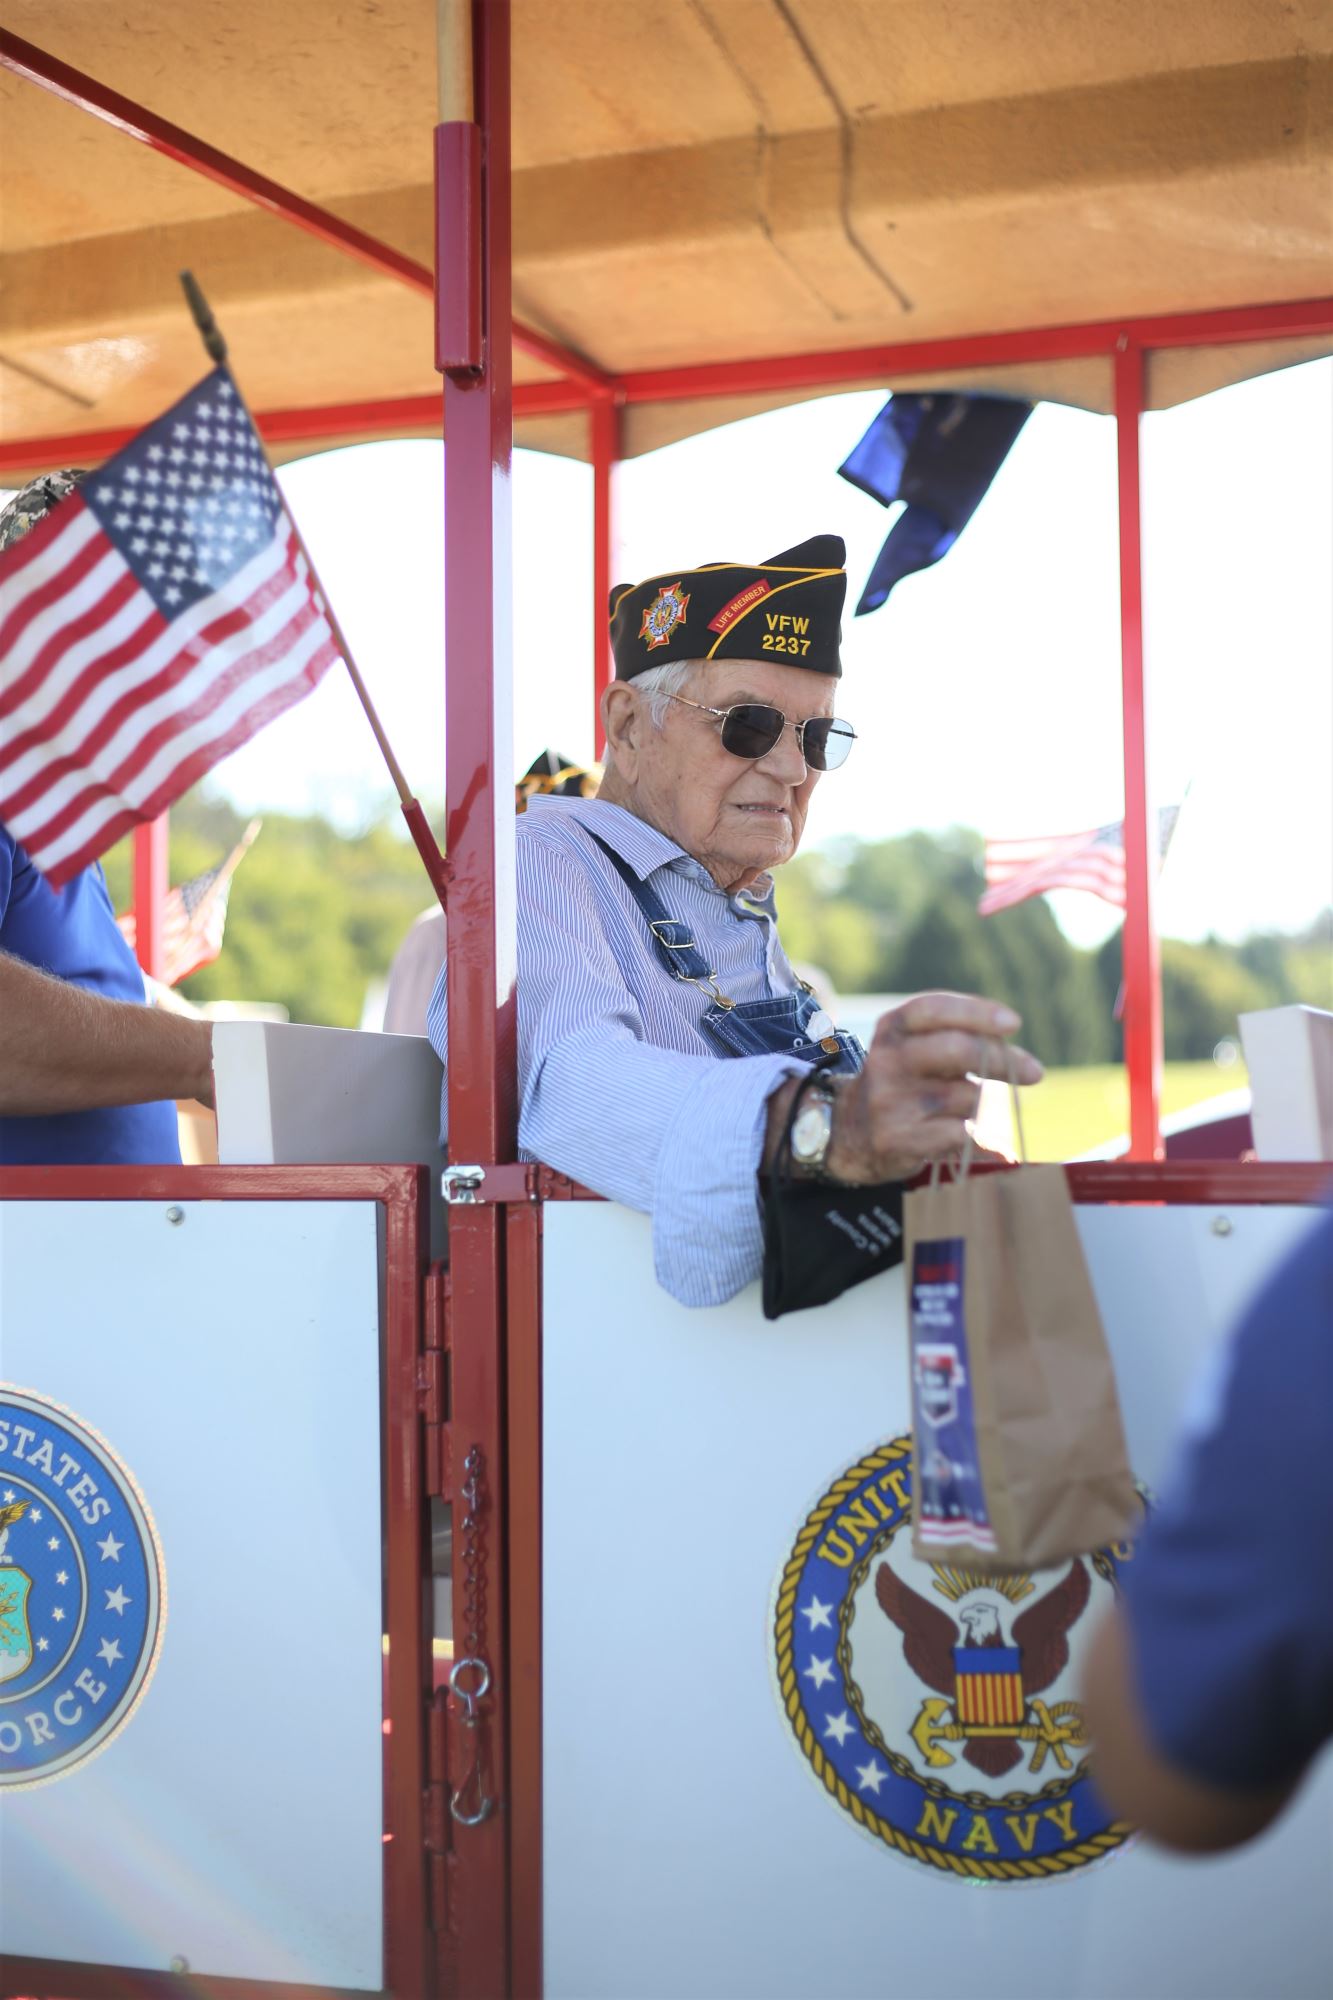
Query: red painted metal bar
38	66
478	422
150	895
604	440
1143	994
825	369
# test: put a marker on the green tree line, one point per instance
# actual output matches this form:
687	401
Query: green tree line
316	915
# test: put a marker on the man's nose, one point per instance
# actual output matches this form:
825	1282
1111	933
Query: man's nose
784	760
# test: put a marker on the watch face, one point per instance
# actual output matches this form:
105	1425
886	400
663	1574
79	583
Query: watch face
810	1133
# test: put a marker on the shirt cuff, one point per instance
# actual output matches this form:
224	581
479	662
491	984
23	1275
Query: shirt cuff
708	1240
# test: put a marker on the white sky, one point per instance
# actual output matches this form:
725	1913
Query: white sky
985	692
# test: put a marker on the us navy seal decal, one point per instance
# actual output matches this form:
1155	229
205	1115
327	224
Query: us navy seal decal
82	1591
937	1707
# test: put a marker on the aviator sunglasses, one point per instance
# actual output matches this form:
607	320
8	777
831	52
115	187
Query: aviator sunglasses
751	729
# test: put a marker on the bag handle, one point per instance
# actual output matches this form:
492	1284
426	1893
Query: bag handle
964	1166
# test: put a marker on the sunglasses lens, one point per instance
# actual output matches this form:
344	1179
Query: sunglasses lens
751	730
828	742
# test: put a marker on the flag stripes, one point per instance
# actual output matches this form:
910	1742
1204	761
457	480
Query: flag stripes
1095	861
149	624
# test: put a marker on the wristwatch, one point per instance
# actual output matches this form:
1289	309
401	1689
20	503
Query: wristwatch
812	1130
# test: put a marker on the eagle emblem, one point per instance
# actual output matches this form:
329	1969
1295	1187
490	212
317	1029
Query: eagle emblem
666	611
938	1706
990	1687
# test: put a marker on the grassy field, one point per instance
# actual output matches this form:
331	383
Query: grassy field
1076	1109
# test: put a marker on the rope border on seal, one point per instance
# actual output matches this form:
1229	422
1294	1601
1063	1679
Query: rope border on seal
1038	1867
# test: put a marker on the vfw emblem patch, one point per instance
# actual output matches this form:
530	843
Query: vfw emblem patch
936	1706
82	1591
666	611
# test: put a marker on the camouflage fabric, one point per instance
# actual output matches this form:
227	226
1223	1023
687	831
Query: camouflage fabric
35	501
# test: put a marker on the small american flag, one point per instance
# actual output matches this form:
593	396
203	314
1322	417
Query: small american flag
1017	869
150	624
194	916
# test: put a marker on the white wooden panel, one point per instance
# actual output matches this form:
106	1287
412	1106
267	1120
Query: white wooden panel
232	1361
687	1849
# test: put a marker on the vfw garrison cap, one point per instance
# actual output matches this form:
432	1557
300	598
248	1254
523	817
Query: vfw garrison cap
787	609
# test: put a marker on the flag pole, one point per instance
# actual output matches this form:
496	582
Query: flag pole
417	824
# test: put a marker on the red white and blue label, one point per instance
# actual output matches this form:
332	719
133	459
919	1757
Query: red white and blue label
951	1500
82	1591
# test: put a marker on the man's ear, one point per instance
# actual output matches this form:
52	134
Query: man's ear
623	722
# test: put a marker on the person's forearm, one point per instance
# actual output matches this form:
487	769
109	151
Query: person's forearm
65	1049
1139	1782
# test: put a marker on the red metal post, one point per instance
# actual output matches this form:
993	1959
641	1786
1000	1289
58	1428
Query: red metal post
604	438
150	894
1143	995
478	422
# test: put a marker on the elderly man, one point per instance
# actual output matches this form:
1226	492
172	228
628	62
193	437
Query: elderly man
88	1072
663	1038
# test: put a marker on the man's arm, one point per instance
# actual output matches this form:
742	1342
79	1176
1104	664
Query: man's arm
65	1049
1142	1786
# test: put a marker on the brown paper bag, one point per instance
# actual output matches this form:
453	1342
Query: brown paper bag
1020	1456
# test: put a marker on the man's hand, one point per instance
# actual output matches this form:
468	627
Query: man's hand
910	1103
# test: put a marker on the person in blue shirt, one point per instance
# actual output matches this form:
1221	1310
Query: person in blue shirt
1209	1688
89	1073
663	1036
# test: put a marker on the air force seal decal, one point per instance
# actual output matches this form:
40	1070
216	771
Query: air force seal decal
82	1591
937	1706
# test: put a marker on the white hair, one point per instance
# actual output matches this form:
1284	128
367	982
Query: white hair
659	683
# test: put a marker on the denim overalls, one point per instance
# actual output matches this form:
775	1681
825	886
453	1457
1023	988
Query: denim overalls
745	1027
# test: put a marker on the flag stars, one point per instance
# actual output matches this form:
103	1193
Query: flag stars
132	475
173	593
139	546
155	451
123	520
116	1600
180	430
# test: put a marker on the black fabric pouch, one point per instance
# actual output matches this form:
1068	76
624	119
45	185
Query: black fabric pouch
821	1239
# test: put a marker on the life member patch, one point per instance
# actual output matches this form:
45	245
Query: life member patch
662	616
82	1591
935	1706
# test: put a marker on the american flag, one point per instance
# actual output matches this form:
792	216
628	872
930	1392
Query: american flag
194	916
1017	869
150	624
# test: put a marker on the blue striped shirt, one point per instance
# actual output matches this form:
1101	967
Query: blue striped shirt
618	1085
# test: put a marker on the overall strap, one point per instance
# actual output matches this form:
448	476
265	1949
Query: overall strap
671	938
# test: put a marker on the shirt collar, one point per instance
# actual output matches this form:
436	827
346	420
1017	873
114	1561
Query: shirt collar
641	845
